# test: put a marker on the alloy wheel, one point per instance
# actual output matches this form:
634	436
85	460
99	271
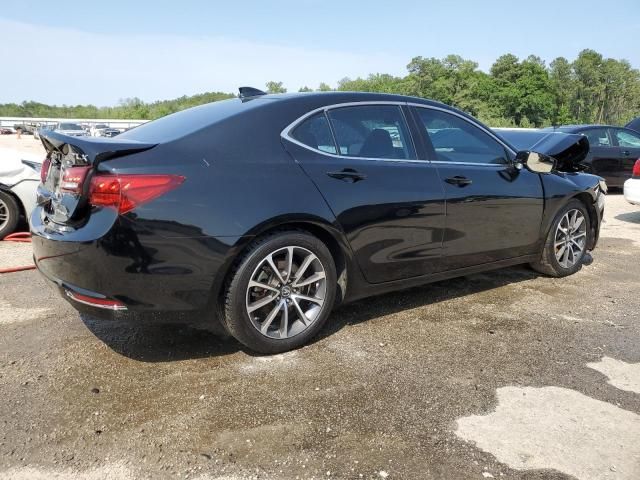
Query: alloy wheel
571	238
286	292
4	214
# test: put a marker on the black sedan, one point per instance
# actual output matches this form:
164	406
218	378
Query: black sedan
613	150
267	210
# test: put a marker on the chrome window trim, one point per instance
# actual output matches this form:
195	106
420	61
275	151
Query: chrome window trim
468	120
286	133
467	164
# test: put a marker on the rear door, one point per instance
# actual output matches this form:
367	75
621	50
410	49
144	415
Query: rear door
628	143
604	155
389	204
494	211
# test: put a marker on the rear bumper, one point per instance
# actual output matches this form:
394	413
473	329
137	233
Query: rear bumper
632	191
131	264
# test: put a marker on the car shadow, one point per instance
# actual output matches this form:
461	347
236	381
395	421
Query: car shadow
429	294
631	217
164	338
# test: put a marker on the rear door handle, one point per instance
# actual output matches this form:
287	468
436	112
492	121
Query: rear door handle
626	153
348	175
459	181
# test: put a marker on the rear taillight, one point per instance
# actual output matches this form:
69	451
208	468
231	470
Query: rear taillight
636	168
126	192
44	170
73	179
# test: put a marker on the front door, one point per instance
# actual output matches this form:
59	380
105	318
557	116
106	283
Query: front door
494	211
389	204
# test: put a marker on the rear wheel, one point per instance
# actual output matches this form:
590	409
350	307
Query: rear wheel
566	242
9	214
281	293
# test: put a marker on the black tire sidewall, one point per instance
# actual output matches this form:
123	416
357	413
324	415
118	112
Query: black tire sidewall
236	317
14	214
550	255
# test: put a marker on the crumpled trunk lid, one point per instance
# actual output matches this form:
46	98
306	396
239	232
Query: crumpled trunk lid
64	153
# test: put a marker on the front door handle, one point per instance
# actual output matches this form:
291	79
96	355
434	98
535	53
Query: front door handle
348	175
459	181
626	153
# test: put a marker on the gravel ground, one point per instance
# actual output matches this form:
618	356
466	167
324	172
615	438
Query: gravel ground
505	374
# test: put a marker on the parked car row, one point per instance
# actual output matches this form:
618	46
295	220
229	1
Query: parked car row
66	128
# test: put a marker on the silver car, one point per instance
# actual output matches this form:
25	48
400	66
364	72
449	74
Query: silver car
70	129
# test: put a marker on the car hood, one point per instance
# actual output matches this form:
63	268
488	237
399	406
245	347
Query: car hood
634	124
569	150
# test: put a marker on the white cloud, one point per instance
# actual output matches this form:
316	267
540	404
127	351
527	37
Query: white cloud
61	65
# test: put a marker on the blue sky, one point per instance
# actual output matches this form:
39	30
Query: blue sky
71	52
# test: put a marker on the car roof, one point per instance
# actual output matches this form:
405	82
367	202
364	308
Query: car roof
344	97
184	122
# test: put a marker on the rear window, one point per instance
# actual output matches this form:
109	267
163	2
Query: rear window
182	123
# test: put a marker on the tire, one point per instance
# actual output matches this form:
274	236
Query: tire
552	259
296	319
9	214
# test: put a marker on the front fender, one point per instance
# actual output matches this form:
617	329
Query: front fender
561	188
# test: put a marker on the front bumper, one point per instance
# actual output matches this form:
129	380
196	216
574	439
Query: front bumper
632	191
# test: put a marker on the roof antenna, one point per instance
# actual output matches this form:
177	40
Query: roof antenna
246	92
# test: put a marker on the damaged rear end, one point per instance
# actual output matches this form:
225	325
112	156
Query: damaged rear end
84	231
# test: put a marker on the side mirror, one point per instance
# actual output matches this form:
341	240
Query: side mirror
534	161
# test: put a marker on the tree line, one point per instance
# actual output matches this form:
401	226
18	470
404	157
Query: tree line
515	92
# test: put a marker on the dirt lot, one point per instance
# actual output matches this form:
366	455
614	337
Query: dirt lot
500	375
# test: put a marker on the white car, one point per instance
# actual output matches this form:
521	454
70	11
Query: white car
97	129
19	179
632	186
102	130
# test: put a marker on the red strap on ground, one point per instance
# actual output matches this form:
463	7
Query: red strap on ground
18	237
24	237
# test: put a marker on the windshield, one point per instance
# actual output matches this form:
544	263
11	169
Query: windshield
101	125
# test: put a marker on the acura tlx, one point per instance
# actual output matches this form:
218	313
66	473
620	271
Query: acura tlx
266	211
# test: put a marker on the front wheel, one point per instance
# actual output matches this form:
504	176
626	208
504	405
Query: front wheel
281	292
566	242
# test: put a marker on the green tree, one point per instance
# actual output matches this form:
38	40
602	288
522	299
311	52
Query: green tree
275	87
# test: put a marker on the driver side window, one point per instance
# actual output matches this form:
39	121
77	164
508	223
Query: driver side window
456	140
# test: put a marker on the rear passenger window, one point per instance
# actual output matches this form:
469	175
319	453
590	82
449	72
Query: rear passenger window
371	131
314	132
456	140
598	137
